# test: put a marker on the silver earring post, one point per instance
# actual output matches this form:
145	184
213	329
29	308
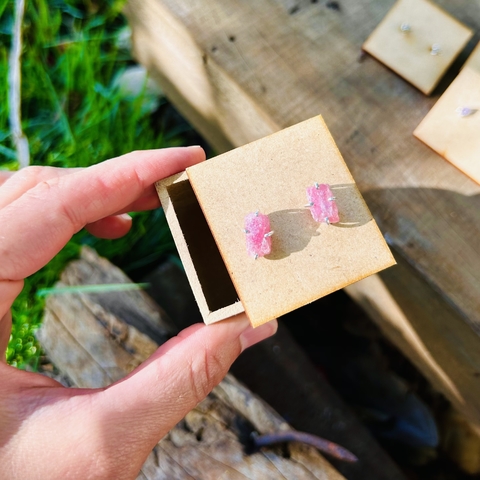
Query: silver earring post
435	49
466	111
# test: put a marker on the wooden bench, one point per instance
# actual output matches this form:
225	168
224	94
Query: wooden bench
241	70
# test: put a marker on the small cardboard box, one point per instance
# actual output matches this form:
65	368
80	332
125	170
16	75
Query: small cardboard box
206	207
452	134
419	41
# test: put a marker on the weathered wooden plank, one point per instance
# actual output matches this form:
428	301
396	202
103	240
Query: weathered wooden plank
240	70
94	347
297	389
428	331
136	309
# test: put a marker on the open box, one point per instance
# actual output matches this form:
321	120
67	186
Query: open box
206	206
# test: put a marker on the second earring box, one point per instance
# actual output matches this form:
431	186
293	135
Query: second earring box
206	208
419	41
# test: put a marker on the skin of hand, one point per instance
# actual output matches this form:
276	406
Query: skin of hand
46	430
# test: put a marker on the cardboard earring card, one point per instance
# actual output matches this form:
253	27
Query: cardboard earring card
419	41
473	61
206	209
452	127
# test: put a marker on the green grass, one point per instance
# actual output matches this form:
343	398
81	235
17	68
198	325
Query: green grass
75	116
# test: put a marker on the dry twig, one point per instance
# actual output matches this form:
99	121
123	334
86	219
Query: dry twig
319	443
14	84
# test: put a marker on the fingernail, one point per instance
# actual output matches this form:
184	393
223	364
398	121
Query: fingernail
125	216
197	148
251	335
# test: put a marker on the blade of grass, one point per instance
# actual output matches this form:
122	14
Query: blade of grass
99	288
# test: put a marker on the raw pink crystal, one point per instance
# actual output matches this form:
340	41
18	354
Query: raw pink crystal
258	235
322	203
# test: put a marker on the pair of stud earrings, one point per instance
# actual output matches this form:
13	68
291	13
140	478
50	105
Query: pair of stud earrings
435	49
258	232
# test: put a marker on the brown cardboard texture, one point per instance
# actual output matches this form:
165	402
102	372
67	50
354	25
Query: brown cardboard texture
450	134
206	213
473	61
404	39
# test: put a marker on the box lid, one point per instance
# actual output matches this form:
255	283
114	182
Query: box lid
308	259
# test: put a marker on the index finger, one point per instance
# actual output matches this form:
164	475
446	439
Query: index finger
38	224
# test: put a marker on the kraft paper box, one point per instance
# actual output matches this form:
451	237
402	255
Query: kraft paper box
419	41
206	207
452	127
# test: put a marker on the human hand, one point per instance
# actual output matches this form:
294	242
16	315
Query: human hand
51	432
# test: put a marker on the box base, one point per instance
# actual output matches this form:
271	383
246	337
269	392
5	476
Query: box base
208	275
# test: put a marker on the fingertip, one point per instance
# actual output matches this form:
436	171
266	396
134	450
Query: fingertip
198	151
112	227
196	154
252	336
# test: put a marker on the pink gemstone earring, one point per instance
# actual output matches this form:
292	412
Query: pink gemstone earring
258	235
322	203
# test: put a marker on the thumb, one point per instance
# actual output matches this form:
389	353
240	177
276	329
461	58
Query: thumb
140	409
